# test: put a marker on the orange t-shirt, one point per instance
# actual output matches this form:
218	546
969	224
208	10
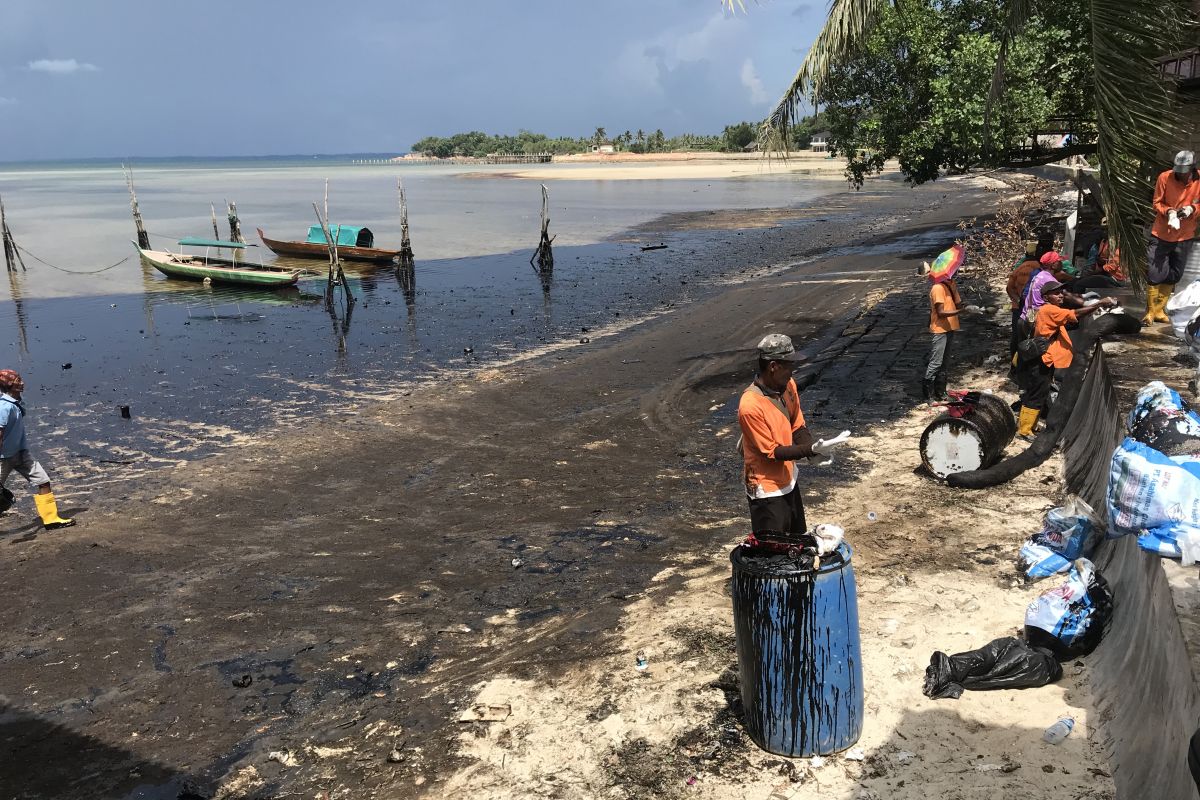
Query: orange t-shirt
1170	193
765	426
1017	280
947	295
1051	323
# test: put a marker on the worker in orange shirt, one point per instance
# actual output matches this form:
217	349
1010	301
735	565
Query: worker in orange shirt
1050	327
1176	196
774	435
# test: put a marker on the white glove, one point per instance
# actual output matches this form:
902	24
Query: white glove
1187	211
823	449
1172	220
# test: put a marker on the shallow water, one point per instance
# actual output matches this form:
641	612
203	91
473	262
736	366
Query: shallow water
200	365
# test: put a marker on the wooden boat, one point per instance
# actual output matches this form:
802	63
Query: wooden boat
216	269
353	244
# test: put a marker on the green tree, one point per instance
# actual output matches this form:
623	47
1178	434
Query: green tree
1135	118
736	137
599	137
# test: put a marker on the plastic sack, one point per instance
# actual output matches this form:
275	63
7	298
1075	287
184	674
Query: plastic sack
1183	306
1154	496
1006	663
1156	396
828	537
1169	432
1070	619
1069	531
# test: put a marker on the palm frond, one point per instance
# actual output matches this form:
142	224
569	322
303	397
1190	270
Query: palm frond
1019	12
846	29
1137	117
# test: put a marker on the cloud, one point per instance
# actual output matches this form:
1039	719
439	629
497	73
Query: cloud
750	79
645	63
802	10
7	101
60	66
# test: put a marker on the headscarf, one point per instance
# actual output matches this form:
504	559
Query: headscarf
9	380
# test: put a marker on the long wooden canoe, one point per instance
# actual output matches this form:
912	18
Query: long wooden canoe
319	250
218	270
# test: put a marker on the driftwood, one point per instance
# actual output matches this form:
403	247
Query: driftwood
235	224
12	256
143	238
406	253
543	258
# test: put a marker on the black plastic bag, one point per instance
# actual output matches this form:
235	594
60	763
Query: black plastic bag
1007	663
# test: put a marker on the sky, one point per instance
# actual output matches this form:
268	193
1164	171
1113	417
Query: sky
160	78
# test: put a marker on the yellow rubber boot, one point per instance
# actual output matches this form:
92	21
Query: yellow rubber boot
1026	421
48	510
1151	303
1164	294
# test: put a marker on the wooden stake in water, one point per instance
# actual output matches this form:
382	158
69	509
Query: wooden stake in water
544	255
143	238
336	273
406	253
235	224
216	230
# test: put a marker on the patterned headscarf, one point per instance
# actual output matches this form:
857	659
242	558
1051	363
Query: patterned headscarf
9	380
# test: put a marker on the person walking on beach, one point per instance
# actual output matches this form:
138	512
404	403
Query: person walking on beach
774	435
1176	197
1050	328
15	456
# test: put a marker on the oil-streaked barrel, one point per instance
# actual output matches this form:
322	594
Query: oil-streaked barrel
799	655
974	439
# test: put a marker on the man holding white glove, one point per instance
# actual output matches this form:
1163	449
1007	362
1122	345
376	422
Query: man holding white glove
774	434
1176	195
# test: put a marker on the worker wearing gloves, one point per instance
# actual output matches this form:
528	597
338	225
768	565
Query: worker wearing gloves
1176	196
774	435
15	455
1050	333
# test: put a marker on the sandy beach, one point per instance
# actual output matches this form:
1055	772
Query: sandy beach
313	610
674	166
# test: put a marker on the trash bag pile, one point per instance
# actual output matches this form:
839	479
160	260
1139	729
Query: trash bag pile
1069	532
1070	620
1007	663
1154	477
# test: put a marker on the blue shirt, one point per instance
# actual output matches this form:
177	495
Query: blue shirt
12	424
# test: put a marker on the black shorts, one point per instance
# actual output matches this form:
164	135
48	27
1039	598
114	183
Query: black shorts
783	514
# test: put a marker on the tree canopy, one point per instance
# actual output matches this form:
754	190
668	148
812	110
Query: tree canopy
918	88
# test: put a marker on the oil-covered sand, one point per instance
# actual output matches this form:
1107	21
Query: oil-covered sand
310	606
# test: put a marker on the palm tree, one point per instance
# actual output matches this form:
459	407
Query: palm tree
599	137
1137	120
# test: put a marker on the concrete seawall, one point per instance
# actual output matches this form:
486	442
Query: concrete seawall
1142	674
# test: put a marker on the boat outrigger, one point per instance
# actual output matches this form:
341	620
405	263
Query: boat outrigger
354	243
215	268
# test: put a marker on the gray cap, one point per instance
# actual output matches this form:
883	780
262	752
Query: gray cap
1185	161
777	347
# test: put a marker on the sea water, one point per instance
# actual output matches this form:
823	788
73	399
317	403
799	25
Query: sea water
90	337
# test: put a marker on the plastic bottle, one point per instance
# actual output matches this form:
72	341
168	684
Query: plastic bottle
1059	731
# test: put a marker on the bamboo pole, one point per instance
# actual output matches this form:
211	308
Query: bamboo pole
10	260
406	253
216	231
143	238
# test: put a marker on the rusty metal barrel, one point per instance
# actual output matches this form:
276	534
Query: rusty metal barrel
971	434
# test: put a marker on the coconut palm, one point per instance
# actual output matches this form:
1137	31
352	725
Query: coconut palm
1137	120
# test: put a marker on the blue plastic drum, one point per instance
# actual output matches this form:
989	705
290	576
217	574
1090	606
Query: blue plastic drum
799	654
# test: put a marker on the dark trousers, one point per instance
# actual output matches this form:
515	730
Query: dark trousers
1036	381
778	514
1166	260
